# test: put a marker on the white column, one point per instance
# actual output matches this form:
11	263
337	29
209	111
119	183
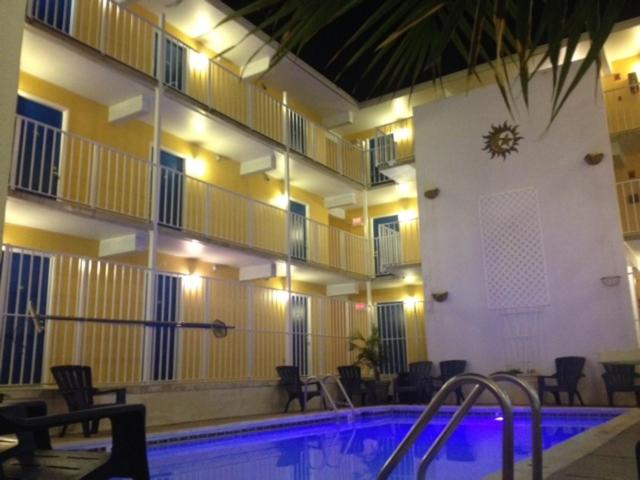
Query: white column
287	194
369	257
155	189
12	13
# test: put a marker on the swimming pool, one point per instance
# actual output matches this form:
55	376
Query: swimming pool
324	447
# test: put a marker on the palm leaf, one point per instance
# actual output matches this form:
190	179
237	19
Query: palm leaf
401	41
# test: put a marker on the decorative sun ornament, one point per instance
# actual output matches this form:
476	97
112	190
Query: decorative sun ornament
502	140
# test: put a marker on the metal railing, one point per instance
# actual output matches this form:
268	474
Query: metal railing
51	162
628	193
480	385
61	285
397	244
132	39
321	382
623	109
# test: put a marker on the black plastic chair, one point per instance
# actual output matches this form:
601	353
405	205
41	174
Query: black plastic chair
351	379
448	370
290	380
76	387
568	374
620	378
415	384
32	456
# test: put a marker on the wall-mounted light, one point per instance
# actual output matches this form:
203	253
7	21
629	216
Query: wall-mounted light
198	61
281	201
192	282
401	134
634	86
195	167
431	194
440	296
593	158
410	302
611	280
407	215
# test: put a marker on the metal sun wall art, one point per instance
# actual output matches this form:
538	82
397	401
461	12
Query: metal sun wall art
502	140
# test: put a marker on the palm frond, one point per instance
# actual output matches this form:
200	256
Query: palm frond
400	41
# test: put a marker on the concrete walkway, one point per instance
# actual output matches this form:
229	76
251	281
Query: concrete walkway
615	460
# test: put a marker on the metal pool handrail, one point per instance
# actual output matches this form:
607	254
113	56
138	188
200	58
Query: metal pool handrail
325	391
481	383
347	400
536	420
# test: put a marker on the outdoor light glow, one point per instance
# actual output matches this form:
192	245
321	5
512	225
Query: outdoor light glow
192	282
401	134
194	248
410	278
198	61
281	201
404	190
406	215
499	419
198	124
195	167
282	296
410	302
400	107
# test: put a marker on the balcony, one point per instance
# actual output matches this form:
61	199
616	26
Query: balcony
390	152
623	110
397	246
262	337
629	202
132	39
53	164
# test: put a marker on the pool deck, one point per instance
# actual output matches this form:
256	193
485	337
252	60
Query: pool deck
615	460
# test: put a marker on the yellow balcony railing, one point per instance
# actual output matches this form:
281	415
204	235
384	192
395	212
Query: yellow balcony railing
397	244
125	348
134	41
629	203
623	110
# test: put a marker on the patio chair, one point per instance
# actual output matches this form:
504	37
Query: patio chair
76	387
31	455
568	374
351	378
620	378
448	370
415	384
290	380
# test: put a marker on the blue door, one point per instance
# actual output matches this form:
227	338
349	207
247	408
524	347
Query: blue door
298	230
389	222
171	189
164	338
393	336
55	13
300	332
38	160
22	344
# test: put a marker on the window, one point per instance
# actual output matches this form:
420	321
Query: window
381	154
300	332
171	190
391	323
39	147
298	230
164	338
297	132
22	344
175	63
55	13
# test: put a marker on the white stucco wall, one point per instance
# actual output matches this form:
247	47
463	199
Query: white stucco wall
579	222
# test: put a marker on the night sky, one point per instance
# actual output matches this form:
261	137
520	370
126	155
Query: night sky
323	47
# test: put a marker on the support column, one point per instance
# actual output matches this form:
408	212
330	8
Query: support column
287	194
12	14
150	299
369	256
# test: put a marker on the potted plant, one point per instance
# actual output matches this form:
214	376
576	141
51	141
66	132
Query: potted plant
371	354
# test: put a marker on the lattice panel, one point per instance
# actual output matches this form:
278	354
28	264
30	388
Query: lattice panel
513	250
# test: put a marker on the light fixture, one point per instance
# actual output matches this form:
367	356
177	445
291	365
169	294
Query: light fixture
401	134
192	282
404	190
282	296
407	215
611	280
410	302
431	194
195	167
194	248
198	61
593	158
281	201
440	296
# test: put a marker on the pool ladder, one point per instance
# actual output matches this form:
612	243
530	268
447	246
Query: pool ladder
480	384
334	403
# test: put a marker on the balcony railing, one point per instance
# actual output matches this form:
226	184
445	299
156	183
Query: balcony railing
629	202
623	109
391	146
52	163
132	39
316	338
397	245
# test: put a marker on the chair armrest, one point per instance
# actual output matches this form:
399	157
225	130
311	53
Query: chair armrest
77	416
120	393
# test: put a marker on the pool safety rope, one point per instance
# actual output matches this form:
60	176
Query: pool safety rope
218	328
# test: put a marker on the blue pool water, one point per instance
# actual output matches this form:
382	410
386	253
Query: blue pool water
357	450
